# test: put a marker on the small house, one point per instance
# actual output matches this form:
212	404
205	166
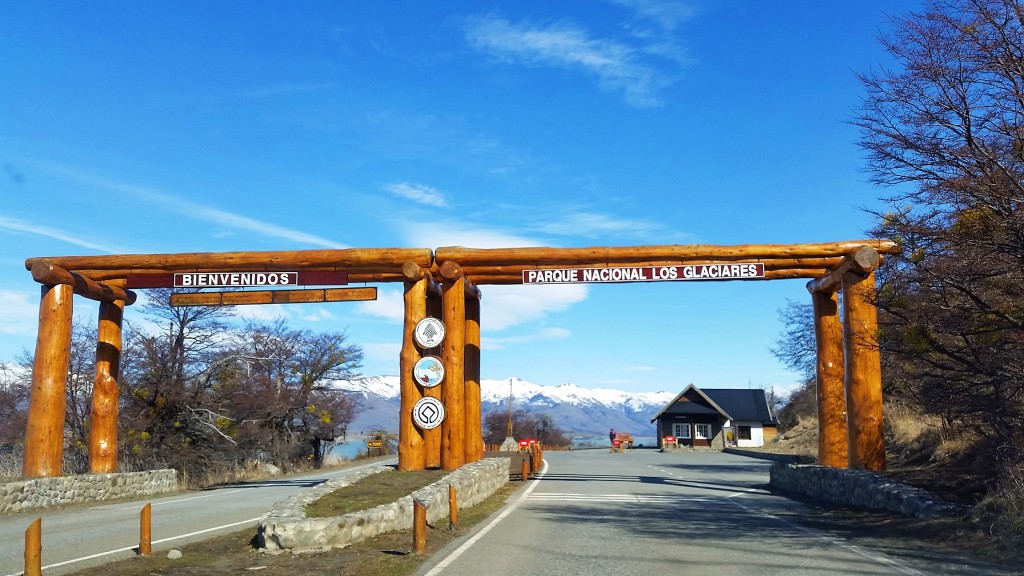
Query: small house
717	418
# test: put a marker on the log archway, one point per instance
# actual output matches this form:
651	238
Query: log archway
444	284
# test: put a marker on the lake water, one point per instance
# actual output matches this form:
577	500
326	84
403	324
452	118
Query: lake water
584	442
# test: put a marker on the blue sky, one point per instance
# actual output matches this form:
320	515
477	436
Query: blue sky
165	127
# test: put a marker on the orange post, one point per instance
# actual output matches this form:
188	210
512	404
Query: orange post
34	548
419	527
453	508
145	531
526	469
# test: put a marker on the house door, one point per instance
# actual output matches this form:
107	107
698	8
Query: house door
702	434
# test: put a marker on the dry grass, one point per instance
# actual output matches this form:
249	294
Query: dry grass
372	491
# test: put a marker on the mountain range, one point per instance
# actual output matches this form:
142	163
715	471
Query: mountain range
576	410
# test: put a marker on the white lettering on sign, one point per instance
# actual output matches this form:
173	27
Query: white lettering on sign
234	279
737	271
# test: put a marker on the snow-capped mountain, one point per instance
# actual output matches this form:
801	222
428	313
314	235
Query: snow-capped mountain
576	410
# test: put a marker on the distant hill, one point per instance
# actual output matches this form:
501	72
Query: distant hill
576	410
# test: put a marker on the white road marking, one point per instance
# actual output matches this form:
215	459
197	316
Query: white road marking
639	498
468	543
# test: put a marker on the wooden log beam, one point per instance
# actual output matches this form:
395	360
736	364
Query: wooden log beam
103	411
44	431
413	272
432	437
863	373
833	449
540	256
241	298
453	393
862	261
474	416
48	273
384	258
412	455
451	271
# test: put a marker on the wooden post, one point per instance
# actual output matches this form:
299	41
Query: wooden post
44	432
863	373
103	414
453	508
526	468
474	424
411	453
833	449
419	527
432	437
34	548
146	530
453	428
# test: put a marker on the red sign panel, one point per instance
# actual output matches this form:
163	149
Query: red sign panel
237	279
732	271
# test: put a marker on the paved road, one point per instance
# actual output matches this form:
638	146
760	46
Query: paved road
645	512
81	536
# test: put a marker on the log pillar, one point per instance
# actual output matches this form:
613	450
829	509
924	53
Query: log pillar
833	449
453	428
432	437
474	424
103	413
863	373
44	432
411	452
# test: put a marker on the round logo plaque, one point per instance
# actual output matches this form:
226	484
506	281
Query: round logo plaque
429	332
428	413
428	371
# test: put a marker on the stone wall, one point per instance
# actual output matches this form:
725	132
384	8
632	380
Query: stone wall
286	526
860	488
45	492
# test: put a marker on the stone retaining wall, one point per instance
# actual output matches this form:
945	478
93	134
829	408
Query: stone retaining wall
286	526
45	492
860	488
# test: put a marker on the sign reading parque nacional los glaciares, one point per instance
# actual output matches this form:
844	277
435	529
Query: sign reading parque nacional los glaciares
731	271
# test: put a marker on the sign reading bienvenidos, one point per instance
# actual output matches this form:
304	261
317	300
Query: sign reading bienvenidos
234	279
732	271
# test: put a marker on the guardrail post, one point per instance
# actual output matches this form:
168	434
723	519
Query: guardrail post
419	527
453	508
34	548
526	469
145	531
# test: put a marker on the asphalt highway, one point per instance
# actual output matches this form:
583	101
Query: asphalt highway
80	536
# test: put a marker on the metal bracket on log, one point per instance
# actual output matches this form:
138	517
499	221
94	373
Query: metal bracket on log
49	274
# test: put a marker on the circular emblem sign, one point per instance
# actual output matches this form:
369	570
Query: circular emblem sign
428	413
428	371
429	332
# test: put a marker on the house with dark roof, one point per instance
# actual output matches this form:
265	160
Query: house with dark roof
717	418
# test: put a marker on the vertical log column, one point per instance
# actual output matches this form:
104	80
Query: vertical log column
453	393
432	437
44	432
863	373
411	453
474	428
103	414
828	331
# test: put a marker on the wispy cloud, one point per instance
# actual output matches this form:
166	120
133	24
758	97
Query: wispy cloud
618	66
593	225
635	368
22	227
390	305
418	193
193	210
21	311
538	336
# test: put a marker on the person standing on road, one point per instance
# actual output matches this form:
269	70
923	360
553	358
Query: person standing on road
611	436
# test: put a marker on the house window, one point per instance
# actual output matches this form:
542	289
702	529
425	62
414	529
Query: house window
681	431
703	431
743	433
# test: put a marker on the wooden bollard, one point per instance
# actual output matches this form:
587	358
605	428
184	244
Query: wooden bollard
34	548
146	530
453	508
526	469
419	527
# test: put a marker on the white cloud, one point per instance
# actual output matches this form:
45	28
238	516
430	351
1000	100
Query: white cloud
390	305
419	193
487	343
592	225
507	306
382	357
23	227
20	312
262	312
318	314
638	368
193	210
618	66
